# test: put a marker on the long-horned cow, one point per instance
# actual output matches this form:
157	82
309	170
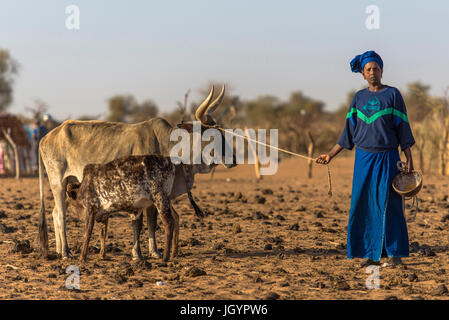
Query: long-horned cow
67	149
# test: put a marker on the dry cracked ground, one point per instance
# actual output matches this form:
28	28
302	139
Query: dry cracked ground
281	237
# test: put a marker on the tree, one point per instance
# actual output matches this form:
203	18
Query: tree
8	69
298	102
120	106
144	111
342	110
39	109
417	101
85	117
125	108
261	110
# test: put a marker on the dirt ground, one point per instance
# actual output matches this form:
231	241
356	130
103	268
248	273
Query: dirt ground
280	237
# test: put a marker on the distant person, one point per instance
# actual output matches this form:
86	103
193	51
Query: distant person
2	168
377	125
38	133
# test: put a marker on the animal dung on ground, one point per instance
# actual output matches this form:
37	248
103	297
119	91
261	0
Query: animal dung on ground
412	277
294	227
22	246
260	199
259	215
5	229
218	246
440	290
120	278
236	228
268	246
142	265
18	206
271	296
341	285
267	191
194	272
279	217
193	242
319	214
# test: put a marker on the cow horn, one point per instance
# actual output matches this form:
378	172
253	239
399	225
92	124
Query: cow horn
202	108
211	108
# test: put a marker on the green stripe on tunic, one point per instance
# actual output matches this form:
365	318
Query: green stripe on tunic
378	114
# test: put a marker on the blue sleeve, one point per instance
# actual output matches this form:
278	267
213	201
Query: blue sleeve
401	123
346	138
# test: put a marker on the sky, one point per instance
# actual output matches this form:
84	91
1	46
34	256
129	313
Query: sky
159	49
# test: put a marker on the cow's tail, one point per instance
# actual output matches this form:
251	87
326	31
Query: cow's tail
188	174
43	232
198	212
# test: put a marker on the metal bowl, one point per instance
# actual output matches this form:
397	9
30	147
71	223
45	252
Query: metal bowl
408	184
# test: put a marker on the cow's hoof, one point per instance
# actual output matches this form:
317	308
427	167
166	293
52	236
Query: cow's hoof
66	256
155	254
136	255
138	258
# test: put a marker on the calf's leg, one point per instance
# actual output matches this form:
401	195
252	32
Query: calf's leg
103	233
137	228
90	219
152	223
175	215
163	205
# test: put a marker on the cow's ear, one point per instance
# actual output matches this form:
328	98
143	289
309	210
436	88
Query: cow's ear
186	126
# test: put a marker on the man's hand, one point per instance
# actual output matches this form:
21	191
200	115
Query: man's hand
327	157
410	167
324	159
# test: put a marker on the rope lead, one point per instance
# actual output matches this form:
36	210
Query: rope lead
282	150
329	180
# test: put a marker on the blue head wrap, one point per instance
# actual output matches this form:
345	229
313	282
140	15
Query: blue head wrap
358	63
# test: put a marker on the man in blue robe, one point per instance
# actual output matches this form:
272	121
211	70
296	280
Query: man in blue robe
376	124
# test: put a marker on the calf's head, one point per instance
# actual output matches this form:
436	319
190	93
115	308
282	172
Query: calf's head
72	192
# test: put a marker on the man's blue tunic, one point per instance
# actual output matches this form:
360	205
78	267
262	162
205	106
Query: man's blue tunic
377	125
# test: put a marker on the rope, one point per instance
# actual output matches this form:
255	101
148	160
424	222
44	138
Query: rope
283	150
415	204
329	180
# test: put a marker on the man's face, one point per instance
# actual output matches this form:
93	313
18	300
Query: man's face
372	73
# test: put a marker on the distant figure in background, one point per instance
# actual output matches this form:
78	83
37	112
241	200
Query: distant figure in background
2	169
38	133
49	122
30	154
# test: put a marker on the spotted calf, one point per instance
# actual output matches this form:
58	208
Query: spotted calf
130	184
